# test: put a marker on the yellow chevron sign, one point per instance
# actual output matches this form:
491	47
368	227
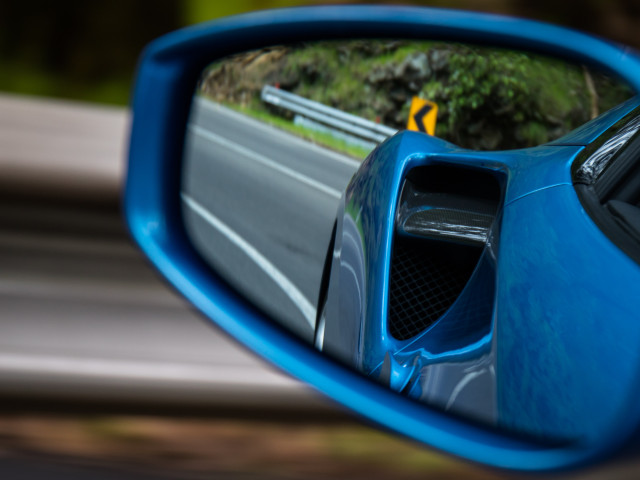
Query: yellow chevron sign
422	116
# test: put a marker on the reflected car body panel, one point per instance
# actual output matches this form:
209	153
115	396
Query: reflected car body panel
580	320
547	274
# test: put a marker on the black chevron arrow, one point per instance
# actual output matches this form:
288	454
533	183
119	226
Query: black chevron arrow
419	117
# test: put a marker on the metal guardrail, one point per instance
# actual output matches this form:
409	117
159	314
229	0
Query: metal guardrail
324	115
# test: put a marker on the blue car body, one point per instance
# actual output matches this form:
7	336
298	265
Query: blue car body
546	274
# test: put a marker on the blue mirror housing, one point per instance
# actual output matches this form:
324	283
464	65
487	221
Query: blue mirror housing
169	69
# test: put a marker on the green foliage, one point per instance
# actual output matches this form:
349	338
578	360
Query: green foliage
504	99
477	81
487	98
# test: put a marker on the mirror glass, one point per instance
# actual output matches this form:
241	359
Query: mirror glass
274	137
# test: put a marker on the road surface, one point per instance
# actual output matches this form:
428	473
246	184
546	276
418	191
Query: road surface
260	204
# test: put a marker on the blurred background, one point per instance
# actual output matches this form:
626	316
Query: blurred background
88	50
104	371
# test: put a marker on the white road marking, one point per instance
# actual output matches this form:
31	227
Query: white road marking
297	297
264	161
286	137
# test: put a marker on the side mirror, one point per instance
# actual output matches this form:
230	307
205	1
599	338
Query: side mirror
467	284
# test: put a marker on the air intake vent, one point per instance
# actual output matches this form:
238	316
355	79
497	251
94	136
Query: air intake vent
426	278
443	222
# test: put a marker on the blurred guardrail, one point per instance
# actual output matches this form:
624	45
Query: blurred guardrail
321	117
85	319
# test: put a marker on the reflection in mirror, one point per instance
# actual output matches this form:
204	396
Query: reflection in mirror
276	135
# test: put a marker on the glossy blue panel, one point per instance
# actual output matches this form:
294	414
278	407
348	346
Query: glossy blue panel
468	340
167	74
568	349
559	286
370	202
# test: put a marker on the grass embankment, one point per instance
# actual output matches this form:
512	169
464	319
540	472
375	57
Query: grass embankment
319	138
488	98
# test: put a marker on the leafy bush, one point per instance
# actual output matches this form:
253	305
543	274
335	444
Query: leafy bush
487	98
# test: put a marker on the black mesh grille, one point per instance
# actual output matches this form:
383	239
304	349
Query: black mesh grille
426	278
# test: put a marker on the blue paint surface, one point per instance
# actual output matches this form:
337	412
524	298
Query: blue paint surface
567	329
559	370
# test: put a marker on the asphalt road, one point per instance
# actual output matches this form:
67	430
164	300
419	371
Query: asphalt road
260	204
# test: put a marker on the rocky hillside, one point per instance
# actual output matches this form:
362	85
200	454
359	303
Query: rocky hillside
487	98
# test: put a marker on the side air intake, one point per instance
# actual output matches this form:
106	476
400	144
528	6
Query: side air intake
443	221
